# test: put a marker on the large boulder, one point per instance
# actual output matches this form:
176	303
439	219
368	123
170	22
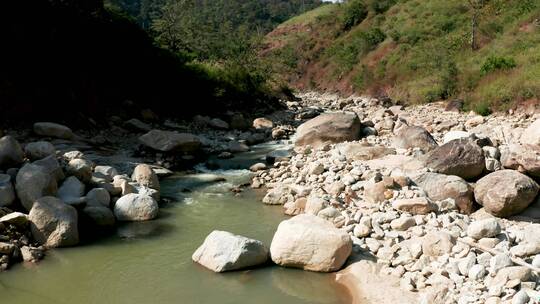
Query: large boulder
311	243
145	176
223	251
506	192
531	135
53	223
39	149
7	194
50	129
524	158
167	141
34	182
461	157
51	166
439	187
135	207
11	153
329	128
414	137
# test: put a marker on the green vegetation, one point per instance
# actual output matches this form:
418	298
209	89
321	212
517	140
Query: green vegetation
416	51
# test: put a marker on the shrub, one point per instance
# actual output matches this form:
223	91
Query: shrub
482	108
355	13
381	6
494	63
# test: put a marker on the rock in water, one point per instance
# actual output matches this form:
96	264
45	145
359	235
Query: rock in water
439	187
135	207
167	141
11	153
414	137
223	251
51	129
461	157
329	128
34	182
39	149
505	193
53	223
311	243
145	176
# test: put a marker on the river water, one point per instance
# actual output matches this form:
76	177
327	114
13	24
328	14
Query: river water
150	262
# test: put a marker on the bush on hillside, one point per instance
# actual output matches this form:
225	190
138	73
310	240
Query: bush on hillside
494	63
355	13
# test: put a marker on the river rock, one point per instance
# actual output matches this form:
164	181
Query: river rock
136	207
437	243
11	153
262	123
257	167
31	254
80	168
329	128
51	166
485	228
167	141
531	135
363	151
449	136
32	183
414	137
223	251
39	149
506	192
71	188
524	158
99	216
14	218
145	176
53	223
310	243
418	205
460	157
50	129
439	187
7	193
98	197
277	196
106	172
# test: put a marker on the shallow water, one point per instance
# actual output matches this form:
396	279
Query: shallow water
150	262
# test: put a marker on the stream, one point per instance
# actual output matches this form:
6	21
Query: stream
150	262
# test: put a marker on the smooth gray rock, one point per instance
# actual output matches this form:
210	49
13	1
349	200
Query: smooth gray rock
39	149
71	188
7	193
51	129
135	207
167	141
11	153
223	251
98	197
34	182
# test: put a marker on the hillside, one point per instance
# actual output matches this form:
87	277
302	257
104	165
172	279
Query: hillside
416	51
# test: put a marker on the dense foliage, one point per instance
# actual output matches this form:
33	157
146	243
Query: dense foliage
416	51
72	59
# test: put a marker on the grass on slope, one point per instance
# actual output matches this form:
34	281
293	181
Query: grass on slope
417	51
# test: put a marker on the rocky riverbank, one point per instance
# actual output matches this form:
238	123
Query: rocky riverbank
443	201
60	188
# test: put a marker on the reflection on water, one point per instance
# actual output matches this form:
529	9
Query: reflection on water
150	262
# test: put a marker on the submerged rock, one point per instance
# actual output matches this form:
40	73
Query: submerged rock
223	251
311	243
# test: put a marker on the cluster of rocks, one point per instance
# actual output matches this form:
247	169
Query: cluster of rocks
52	198
175	144
446	201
